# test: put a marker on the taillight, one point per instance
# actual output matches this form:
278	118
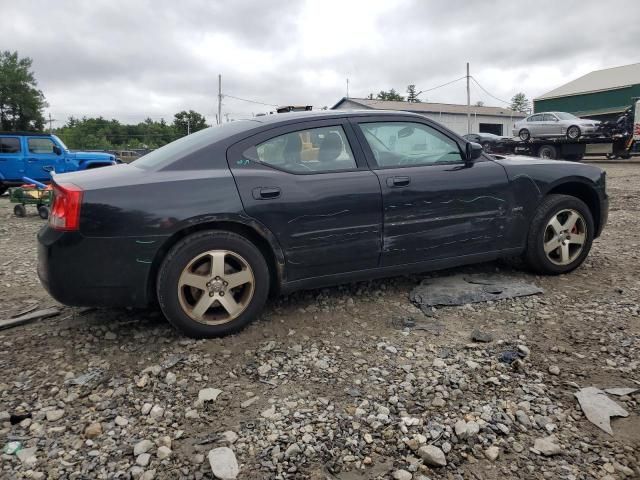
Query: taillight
65	211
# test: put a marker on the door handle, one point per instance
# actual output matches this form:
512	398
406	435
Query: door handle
32	160
265	193
398	181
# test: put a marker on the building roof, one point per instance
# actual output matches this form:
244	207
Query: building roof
598	81
424	107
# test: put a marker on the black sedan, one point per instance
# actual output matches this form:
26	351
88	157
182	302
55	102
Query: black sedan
490	142
208	226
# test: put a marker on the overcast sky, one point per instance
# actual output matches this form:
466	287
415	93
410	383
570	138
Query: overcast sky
130	59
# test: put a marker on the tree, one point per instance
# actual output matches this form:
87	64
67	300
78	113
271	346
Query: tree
21	103
520	103
412	95
190	121
390	95
479	103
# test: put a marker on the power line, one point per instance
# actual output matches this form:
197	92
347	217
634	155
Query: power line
440	86
250	101
485	91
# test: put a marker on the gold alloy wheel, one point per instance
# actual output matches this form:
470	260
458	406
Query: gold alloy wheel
216	287
565	236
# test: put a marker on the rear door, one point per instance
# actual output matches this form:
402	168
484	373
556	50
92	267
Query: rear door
309	184
436	205
12	166
41	158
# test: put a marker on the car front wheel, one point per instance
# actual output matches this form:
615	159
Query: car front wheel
560	236
573	132
212	283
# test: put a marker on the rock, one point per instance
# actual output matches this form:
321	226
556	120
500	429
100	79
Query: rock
547	446
438	402
146	408
230	436
54	415
223	463
269	413
208	395
93	430
292	451
492	453
523	418
149	475
264	369
438	363
142	446
402	475
163	452
482	337
143	459
121	421
156	412
164	441
170	378
432	456
554	370
28	457
524	350
321	364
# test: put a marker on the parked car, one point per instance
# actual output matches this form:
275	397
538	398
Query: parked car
127	156
490	142
554	124
37	155
211	224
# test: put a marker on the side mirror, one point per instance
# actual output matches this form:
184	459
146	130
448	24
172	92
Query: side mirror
473	151
57	150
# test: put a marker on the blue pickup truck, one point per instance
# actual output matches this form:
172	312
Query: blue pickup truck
36	155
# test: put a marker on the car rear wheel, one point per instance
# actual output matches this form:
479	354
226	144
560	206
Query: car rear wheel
573	132
212	283
524	135
560	236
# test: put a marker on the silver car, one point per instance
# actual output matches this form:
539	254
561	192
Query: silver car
554	124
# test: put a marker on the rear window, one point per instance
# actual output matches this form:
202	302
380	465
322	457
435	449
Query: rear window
185	146
9	145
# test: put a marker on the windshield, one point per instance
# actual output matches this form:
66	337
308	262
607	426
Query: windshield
60	142
564	116
191	143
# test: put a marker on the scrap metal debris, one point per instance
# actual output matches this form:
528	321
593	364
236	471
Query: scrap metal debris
464	289
90	376
29	317
598	408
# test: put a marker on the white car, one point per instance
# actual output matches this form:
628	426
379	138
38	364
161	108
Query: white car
554	124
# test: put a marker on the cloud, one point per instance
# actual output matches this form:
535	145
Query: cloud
128	59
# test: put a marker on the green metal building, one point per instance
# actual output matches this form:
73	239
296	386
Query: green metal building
601	95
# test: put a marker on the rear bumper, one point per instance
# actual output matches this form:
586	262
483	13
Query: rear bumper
86	271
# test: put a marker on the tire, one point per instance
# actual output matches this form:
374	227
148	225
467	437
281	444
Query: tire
524	135
542	233
20	210
573	132
43	212
486	146
548	151
184	264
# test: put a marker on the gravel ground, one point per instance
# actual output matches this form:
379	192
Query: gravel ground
342	383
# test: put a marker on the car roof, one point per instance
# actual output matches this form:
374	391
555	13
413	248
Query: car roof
320	114
26	134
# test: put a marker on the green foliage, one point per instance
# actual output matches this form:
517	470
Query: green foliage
21	103
520	103
102	134
190	121
412	95
390	95
479	103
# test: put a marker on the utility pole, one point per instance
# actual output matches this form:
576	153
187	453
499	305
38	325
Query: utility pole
51	120
188	126
347	88
219	99
468	102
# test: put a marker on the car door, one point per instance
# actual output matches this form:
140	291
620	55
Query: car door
534	124
309	184
436	205
550	126
12	166
41	158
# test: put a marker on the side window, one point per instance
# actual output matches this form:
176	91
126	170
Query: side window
406	143
40	145
547	117
319	150
9	145
535	118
